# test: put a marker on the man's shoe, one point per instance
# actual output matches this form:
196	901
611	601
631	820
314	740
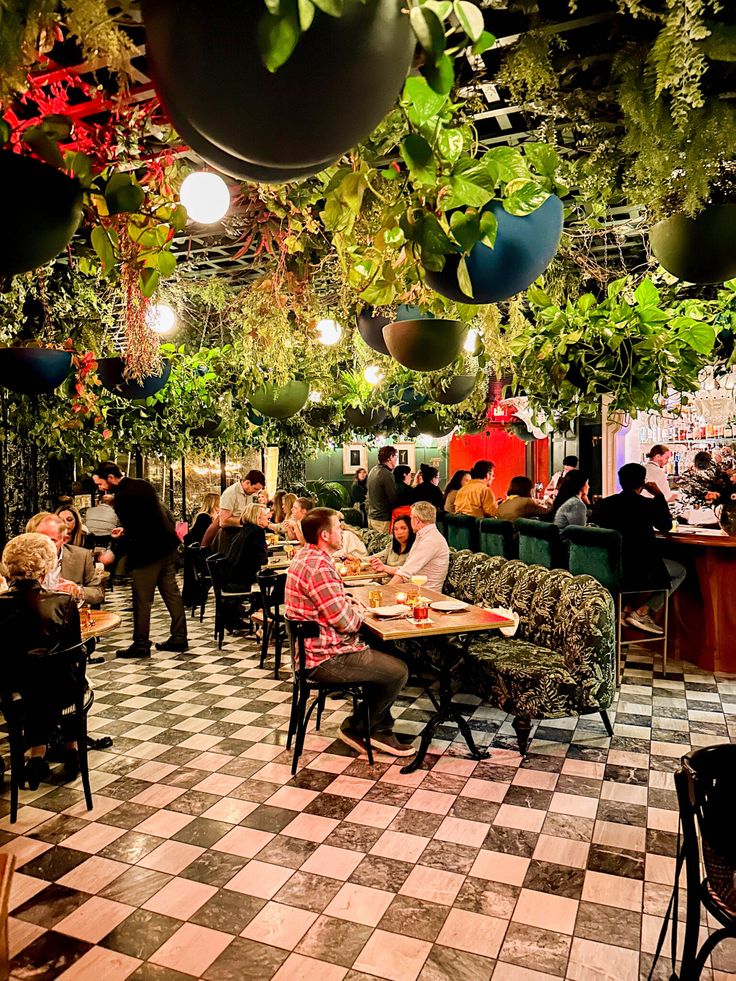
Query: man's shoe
36	770
132	652
386	742
175	646
96	660
351	738
642	621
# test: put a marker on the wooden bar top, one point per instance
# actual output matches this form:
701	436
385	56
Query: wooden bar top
711	539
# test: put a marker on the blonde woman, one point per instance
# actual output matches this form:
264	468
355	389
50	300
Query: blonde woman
286	506
36	624
204	518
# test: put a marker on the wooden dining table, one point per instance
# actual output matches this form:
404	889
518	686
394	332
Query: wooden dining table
442	628
102	622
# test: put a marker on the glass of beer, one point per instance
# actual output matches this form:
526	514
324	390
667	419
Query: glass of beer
375	598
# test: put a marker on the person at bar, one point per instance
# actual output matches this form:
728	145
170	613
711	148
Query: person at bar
519	502
315	591
550	492
476	497
232	505
429	489
658	457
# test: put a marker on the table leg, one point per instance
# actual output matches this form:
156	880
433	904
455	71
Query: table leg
446	711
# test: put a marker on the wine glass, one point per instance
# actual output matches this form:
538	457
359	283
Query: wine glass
418	581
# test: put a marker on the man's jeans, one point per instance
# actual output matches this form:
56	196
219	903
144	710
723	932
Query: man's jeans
382	675
677	573
146	579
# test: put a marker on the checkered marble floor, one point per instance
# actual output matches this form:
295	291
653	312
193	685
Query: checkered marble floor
203	857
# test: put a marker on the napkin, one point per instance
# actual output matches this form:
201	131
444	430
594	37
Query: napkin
503	611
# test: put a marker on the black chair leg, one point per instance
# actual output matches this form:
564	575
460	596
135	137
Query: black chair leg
277	644
321	696
17	774
83	763
522	727
367	730
294	714
301	729
265	638
606	722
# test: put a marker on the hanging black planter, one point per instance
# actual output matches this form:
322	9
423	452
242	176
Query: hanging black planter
428	424
460	388
111	371
700	249
342	78
280	402
370	329
42	208
424	345
209	428
366	421
524	248
33	370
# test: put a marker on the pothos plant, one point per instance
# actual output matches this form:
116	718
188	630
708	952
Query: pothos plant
443	29
632	345
391	222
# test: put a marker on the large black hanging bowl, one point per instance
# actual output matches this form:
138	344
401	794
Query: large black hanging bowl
366	421
524	248
231	165
111	375
342	78
460	388
42	208
700	249
33	370
407	399
370	329
427	423
209	429
424	345
280	402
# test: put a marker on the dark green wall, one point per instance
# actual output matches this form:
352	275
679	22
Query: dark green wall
328	466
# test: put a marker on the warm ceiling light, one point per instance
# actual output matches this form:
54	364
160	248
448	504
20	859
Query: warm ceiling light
205	196
160	317
471	341
329	332
315	396
373	374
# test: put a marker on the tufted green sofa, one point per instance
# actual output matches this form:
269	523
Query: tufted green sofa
561	662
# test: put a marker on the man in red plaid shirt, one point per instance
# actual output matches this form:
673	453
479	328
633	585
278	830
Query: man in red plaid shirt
315	591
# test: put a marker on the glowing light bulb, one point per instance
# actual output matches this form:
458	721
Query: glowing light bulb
471	341
425	440
315	396
373	374
160	317
205	196
329	332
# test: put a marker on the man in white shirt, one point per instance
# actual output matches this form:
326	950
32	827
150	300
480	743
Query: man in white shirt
656	473
429	555
101	519
550	491
232	505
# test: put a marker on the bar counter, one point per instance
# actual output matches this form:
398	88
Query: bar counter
703	610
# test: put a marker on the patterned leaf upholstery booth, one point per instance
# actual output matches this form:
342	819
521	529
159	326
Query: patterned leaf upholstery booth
374	541
561	662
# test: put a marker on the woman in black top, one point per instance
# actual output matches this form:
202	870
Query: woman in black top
359	489
402	474
210	508
429	489
36	625
248	551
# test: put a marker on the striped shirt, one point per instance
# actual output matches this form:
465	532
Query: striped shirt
315	591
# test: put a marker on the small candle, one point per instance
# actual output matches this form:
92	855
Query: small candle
401	597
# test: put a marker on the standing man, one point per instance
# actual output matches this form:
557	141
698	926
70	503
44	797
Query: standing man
315	591
656	474
550	491
476	497
150	547
232	505
383	495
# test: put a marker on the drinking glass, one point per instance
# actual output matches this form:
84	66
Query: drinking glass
375	597
419	581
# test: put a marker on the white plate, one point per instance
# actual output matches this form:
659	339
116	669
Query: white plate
448	606
397	610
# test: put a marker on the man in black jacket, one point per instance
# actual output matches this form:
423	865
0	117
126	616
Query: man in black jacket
635	518
150	544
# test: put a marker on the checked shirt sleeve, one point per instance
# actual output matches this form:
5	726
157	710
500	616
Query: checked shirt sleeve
328	595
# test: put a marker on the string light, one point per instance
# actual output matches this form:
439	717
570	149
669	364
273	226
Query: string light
160	317
205	196
329	332
373	374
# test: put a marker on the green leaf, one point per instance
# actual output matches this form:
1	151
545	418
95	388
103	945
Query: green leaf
443	8
332	7
699	336
440	76
57	127
425	102
450	143
429	32
178	220
103	246
469	185
543	158
465	227
537	297
586	302
78	164
273	7
394	237
43	147
307	11
149	280
470	17
5	131
484	43
488	228
646	294
525	199
463	277
418	157
278	36
433	238
166	263
505	163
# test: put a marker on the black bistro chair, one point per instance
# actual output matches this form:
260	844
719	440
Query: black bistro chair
272	585
217	568
706	793
298	631
74	718
197	580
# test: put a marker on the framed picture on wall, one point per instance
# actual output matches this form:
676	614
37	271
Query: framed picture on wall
407	455
354	456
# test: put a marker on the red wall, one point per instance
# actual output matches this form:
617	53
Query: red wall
507	452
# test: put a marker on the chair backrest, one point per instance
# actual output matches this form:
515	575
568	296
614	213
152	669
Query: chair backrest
216	566
441	522
298	631
498	537
540	543
273	586
462	531
705	792
595	552
74	659
375	541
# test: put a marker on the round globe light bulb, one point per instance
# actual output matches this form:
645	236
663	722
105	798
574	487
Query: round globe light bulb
205	196
329	332
373	374
471	341
315	396
161	318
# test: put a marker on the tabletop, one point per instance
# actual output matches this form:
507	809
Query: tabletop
471	620
709	537
103	621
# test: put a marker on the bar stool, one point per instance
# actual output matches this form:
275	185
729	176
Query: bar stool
596	552
498	537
